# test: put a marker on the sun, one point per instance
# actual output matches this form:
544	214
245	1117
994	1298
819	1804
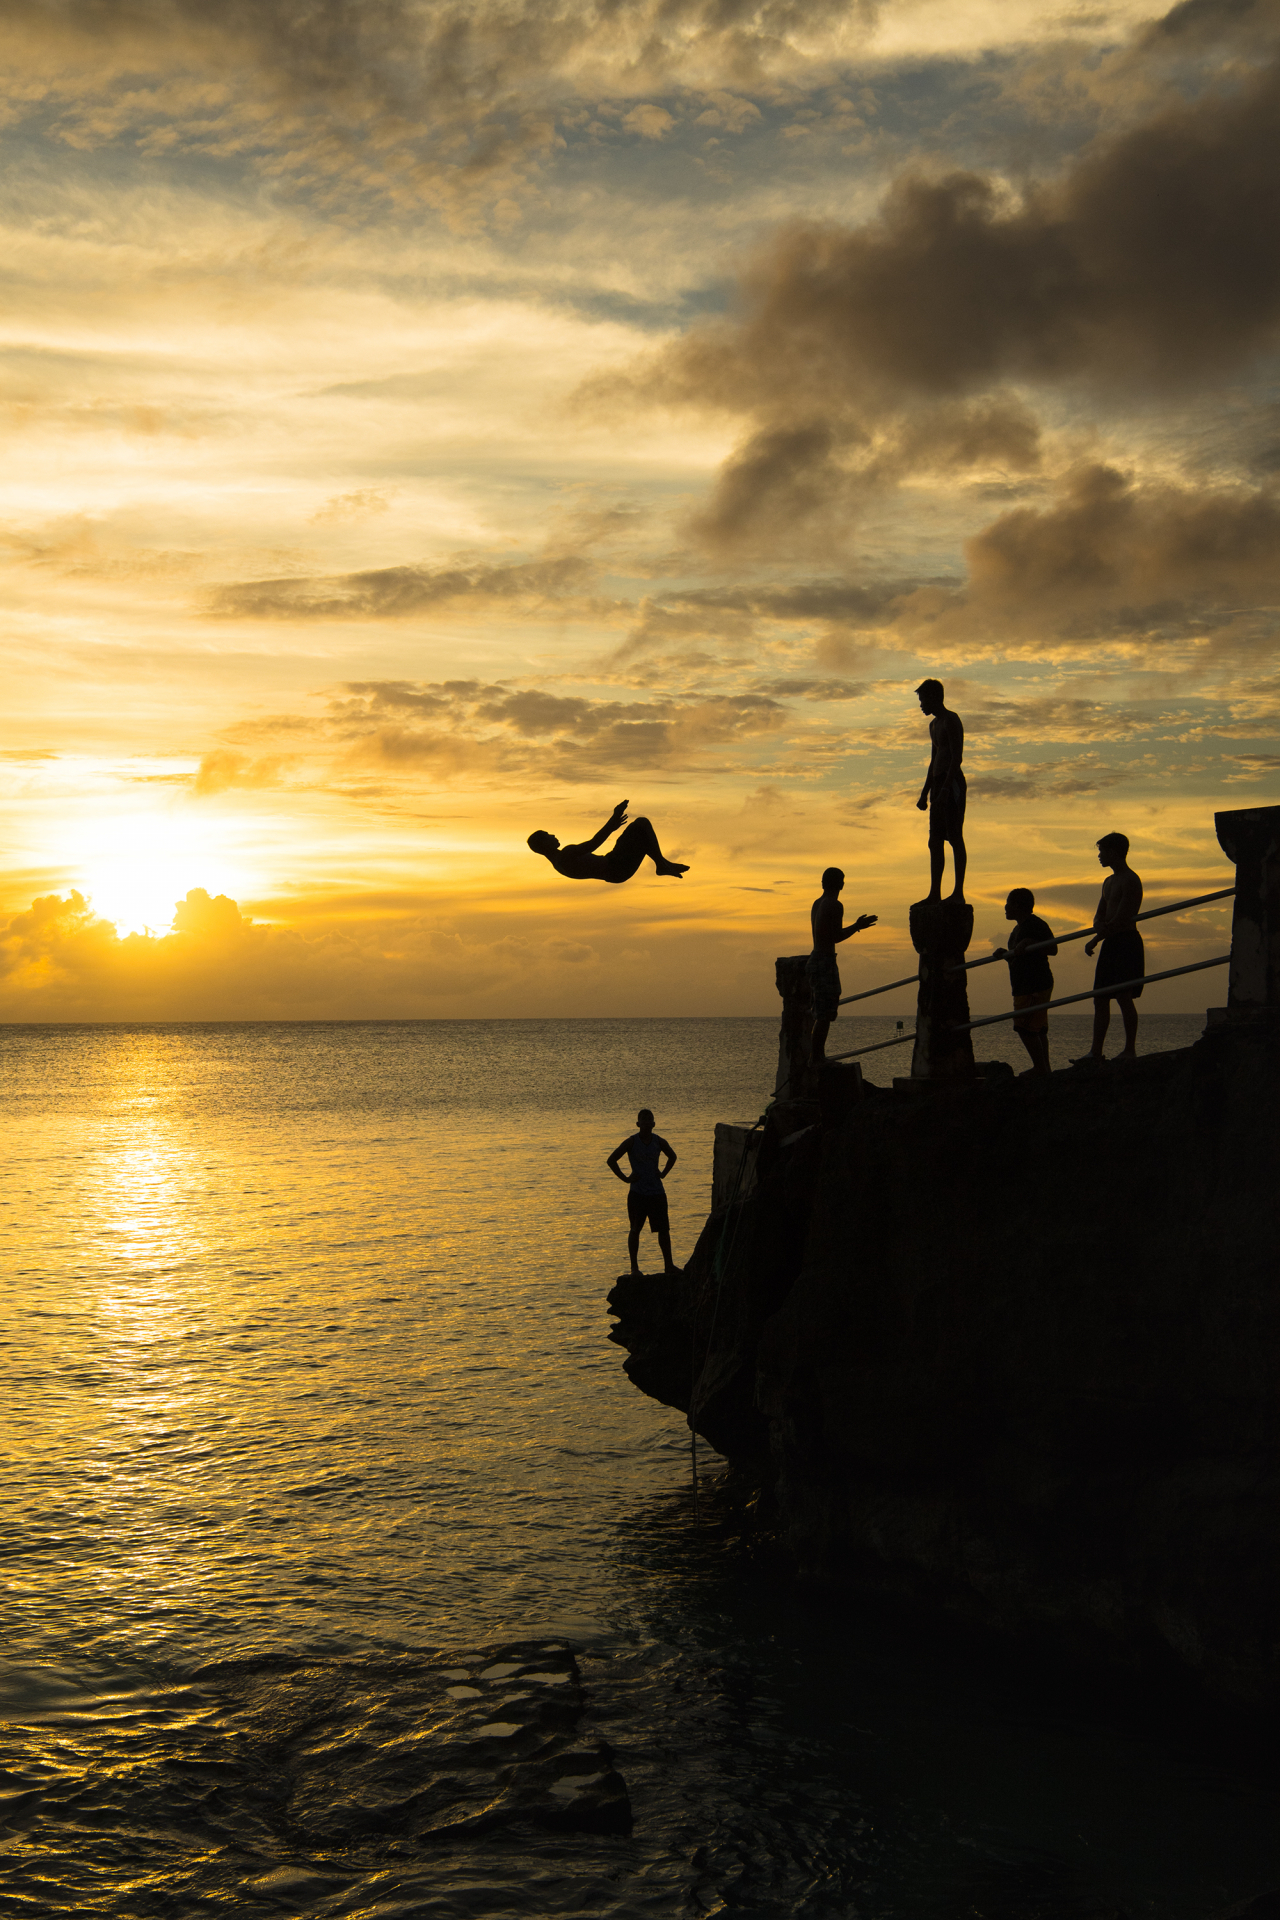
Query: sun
134	867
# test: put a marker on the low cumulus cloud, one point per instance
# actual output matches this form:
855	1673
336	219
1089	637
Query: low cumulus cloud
423	957
909	343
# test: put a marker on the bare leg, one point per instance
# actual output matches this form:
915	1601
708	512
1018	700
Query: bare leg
960	861
818	1042
1101	1021
1029	1042
633	1248
1129	1014
664	1247
937	857
630	848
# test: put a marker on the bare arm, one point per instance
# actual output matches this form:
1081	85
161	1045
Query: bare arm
863	920
1121	899
923	801
616	819
612	1164
671	1159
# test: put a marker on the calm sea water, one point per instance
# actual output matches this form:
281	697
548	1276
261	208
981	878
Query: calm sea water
311	1415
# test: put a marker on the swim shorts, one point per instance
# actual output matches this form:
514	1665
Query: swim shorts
1032	1017
823	975
946	808
1121	957
648	1206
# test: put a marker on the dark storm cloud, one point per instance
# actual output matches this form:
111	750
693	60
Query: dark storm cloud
860	354
1108	540
392	593
1111	561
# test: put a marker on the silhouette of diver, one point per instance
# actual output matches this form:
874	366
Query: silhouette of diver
582	862
647	1198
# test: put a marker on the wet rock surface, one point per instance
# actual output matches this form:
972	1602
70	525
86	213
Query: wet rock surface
1011	1351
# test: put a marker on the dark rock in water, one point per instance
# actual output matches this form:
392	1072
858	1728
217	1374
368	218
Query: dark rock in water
1012	1351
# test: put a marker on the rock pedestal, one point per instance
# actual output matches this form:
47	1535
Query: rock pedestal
940	933
793	1035
1251	838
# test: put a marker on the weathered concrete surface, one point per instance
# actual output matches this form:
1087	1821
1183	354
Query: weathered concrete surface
1013	1350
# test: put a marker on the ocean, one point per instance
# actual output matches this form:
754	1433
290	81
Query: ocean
346	1573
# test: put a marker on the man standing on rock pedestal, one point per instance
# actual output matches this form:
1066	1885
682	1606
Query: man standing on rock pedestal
825	917
944	791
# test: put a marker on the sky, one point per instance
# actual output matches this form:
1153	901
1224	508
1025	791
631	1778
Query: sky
433	420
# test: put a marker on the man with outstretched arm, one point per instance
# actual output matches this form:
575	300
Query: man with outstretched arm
646	1196
1123	957
825	917
945	790
582	862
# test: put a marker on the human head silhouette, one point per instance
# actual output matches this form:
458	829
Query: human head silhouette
1021	901
645	1120
543	842
832	880
1112	848
929	694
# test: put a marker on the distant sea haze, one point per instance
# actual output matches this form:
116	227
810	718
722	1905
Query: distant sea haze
311	1405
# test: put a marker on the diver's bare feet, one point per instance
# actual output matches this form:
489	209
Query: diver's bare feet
673	867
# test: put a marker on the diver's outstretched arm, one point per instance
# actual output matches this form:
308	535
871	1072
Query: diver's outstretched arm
616	819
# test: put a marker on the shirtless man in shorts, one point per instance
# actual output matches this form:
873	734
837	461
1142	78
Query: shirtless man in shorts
582	862
1123	958
944	791
825	917
646	1196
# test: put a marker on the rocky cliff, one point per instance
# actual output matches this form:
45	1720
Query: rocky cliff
1010	1349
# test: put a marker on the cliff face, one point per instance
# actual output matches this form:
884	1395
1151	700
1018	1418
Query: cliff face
1012	1350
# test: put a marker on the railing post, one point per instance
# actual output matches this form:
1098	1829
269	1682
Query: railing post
940	933
1251	837
792	976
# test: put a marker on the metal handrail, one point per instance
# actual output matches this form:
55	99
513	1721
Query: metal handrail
1093	993
895	1042
1041	946
872	991
1083	933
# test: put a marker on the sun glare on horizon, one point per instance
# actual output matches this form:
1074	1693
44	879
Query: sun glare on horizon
136	868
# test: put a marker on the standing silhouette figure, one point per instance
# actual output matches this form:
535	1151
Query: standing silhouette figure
1123	955
646	1195
945	790
582	862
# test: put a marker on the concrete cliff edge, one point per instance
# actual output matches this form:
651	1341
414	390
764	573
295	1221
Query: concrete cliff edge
1011	1352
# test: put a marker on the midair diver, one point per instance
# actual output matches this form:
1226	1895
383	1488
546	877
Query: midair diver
582	862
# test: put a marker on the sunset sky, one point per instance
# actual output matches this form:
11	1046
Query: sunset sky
432	421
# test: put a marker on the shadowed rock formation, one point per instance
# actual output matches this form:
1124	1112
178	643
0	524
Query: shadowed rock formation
1011	1351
